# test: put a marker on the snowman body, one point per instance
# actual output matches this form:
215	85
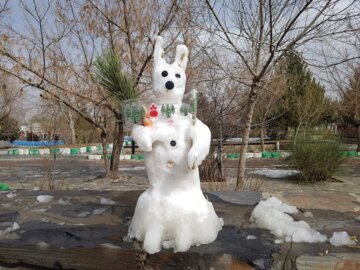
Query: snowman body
173	211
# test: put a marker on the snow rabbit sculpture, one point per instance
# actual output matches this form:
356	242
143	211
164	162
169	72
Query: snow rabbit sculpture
173	211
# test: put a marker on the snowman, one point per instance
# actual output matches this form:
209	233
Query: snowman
172	212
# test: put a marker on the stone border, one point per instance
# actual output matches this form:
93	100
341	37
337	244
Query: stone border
91	148
58	150
122	157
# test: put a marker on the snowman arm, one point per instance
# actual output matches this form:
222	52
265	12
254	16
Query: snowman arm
201	138
143	137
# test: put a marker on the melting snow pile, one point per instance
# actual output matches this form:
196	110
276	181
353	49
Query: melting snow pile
105	201
272	214
341	238
44	198
275	173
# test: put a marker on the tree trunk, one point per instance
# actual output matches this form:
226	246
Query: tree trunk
220	151
358	138
72	130
103	143
245	138
262	135
117	145
296	132
285	132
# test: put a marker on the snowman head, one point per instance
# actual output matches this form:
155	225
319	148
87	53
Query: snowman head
169	79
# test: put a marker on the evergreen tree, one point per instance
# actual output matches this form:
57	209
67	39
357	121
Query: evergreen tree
303	103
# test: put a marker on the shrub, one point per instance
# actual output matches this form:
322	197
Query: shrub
317	156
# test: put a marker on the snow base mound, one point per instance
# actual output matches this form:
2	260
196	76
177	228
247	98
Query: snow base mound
180	220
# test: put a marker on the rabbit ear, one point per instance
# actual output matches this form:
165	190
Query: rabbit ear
181	57
159	55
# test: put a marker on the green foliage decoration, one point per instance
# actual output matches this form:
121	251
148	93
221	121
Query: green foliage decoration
167	110
184	109
134	112
108	74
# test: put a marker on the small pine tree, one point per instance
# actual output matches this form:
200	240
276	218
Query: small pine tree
108	74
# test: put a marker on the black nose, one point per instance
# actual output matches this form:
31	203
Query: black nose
169	85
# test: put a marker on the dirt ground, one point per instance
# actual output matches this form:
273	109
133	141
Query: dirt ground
76	173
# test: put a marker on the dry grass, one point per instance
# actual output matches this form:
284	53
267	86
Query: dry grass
45	184
251	183
210	172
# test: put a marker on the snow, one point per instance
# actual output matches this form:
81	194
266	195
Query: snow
42	245
44	198
173	212
251	237
341	239
15	226
99	211
64	201
106	201
139	168
83	214
110	246
11	195
272	214
275	173
308	215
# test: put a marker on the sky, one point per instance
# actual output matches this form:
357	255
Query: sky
311	51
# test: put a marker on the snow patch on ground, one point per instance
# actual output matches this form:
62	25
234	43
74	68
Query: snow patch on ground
272	214
251	237
308	215
132	168
110	246
64	201
44	198
11	195
106	201
275	173
341	239
99	211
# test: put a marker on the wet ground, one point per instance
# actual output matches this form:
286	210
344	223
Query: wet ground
74	228
85	223
88	229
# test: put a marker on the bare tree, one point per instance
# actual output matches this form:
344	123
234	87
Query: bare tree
66	47
266	109
350	102
254	36
9	93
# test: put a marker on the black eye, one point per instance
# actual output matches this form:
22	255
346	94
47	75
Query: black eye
164	73
177	76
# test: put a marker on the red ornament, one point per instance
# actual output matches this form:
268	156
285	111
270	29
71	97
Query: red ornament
153	110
